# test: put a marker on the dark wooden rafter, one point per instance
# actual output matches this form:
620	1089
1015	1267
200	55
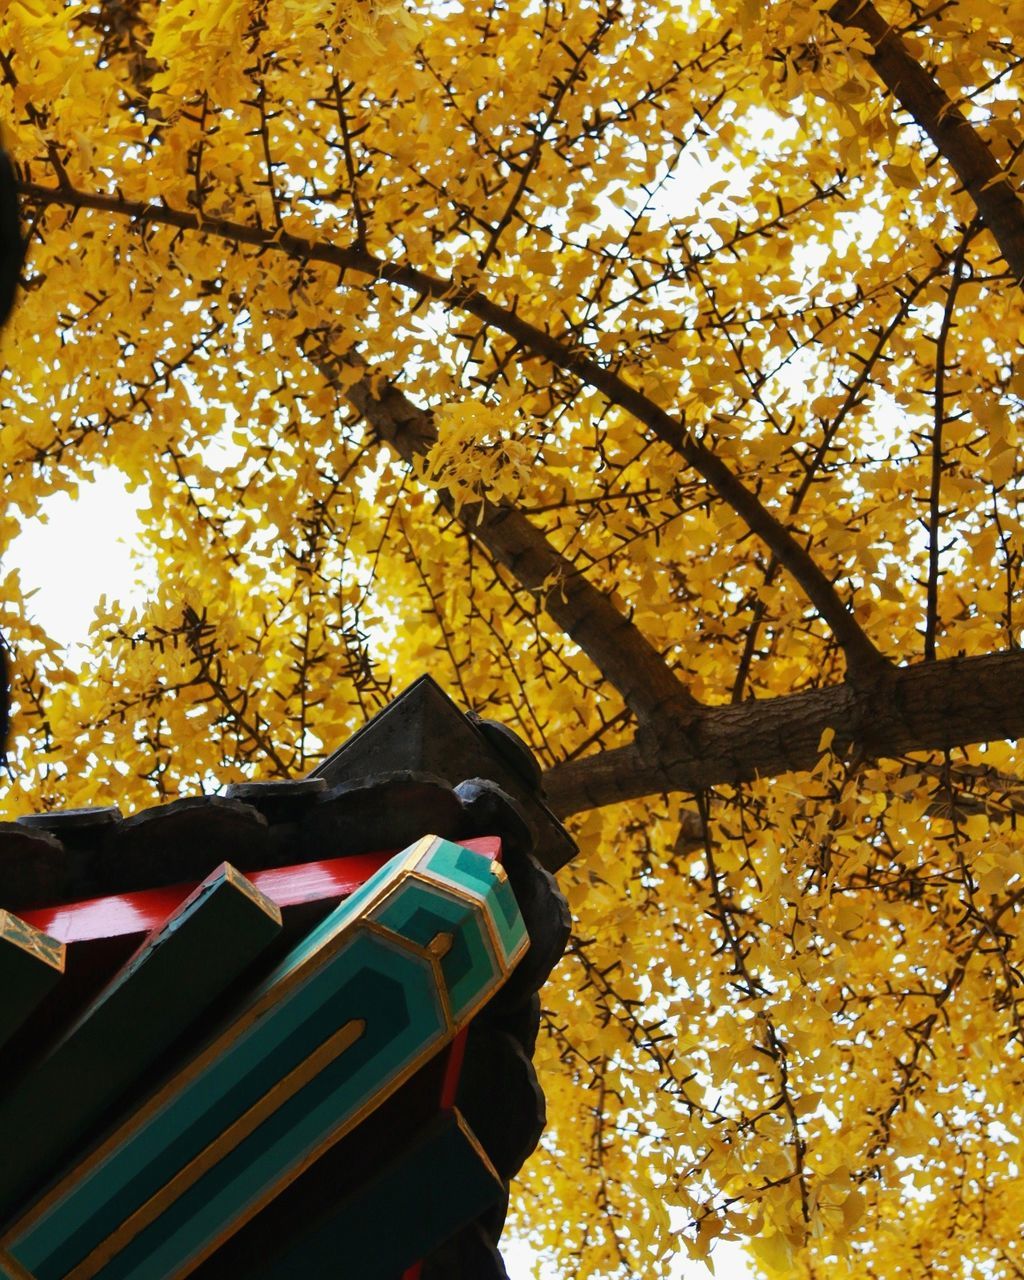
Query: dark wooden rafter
274	1053
864	662
156	996
958	142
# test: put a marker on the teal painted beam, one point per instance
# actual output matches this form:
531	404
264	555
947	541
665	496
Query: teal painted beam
358	1006
31	964
177	973
11	1269
440	1181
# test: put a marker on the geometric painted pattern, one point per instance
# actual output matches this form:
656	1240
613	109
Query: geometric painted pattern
483	882
417	1187
39	945
10	1269
358	1006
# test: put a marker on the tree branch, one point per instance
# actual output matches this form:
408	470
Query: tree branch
864	662
931	625
988	185
932	706
623	655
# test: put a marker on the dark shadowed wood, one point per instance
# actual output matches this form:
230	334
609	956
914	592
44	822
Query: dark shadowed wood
437	1183
180	970
30	965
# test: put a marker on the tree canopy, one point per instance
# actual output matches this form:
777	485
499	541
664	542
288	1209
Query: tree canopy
648	372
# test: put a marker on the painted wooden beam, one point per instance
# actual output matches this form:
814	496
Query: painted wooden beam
127	914
353	1011
437	1183
11	1269
337	1175
178	972
31	962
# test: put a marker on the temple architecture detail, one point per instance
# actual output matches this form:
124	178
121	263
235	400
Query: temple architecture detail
284	1031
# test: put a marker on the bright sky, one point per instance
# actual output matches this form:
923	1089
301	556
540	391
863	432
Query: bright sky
81	552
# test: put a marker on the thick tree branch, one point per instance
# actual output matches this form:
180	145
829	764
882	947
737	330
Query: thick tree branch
619	650
864	662
988	185
932	706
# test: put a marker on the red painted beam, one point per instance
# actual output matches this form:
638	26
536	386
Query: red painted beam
139	913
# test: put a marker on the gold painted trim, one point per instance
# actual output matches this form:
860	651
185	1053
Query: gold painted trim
394	889
438	877
13	1267
371	1104
425	876
473	1009
311	964
325	1144
225	873
429	1051
442	991
481	902
26	937
522	946
325	951
482	899
421	849
406	944
244	885
421	953
474	1142
481	906
285	1089
441	943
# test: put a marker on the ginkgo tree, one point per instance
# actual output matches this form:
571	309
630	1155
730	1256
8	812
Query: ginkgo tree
648	372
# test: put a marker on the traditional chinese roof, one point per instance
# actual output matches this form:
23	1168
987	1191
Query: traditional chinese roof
112	897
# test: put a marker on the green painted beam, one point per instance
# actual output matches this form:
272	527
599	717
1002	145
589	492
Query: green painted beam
439	1182
359	1005
31	962
11	1268
176	974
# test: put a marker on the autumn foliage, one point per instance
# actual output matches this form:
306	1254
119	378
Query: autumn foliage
649	373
